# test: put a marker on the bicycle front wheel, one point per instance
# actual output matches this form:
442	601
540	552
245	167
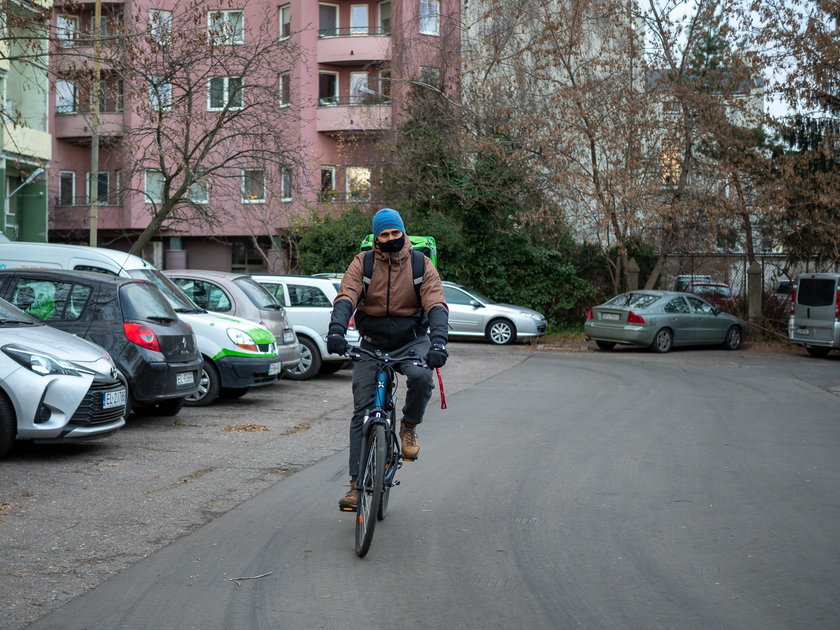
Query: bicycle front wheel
372	482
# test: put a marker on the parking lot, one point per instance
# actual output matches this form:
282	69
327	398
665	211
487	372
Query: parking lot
72	516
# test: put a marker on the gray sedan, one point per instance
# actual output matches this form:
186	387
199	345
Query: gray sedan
661	320
473	315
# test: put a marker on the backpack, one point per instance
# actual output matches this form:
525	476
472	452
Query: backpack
418	267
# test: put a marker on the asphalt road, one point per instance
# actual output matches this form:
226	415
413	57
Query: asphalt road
697	489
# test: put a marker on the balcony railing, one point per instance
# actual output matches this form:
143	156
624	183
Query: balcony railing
111	199
353	31
85	109
334	196
361	99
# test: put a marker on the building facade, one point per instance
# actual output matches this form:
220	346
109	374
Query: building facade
297	98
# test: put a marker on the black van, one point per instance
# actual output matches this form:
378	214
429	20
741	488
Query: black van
815	312
155	351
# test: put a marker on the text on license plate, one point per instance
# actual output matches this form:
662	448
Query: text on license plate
113	399
184	378
288	337
803	331
275	368
610	316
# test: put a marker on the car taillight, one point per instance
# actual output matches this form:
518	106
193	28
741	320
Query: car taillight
142	335
632	318
589	314
793	302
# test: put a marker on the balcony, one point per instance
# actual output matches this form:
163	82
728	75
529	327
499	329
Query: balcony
353	46
74	126
74	214
353	113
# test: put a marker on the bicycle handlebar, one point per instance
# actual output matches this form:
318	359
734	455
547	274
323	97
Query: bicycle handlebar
355	353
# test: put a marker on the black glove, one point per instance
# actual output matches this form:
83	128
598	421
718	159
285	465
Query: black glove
336	343
436	358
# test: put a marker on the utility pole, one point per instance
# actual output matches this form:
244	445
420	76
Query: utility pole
93	184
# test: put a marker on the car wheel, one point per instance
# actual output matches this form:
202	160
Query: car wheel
664	341
733	338
331	367
605	345
501	332
310	361
8	425
817	351
208	387
234	392
168	407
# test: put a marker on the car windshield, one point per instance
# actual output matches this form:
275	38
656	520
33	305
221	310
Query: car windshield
257	293
633	300
710	289
11	315
177	298
481	298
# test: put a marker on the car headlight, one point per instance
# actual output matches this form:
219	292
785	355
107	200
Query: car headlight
241	339
536	316
43	363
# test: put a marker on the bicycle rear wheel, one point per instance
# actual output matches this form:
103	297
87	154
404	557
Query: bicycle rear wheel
372	482
391	465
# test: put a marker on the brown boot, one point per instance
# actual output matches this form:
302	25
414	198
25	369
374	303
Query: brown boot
408	439
350	501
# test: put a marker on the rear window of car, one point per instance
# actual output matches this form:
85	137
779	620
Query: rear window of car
303	295
816	292
634	300
259	295
140	300
710	289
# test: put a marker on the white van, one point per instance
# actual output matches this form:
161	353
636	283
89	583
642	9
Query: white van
815	312
238	353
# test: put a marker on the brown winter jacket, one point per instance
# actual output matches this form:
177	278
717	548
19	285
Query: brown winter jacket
390	316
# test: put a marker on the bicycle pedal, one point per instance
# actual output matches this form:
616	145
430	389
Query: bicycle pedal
346	509
408	459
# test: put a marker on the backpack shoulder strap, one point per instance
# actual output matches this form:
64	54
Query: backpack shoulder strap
418	268
367	272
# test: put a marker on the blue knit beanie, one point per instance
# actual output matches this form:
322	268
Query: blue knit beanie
385	219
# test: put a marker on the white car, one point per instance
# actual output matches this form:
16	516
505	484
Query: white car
473	315
54	386
308	302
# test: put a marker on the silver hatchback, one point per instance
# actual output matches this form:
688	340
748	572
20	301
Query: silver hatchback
238	294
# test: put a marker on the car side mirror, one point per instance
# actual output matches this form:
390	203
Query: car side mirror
715	310
476	304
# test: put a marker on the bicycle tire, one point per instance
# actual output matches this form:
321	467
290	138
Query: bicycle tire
392	461
370	497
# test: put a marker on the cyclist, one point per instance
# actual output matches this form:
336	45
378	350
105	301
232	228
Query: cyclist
389	318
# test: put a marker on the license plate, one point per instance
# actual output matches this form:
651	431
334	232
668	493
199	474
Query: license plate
288	337
610	316
803	331
113	399
184	378
275	368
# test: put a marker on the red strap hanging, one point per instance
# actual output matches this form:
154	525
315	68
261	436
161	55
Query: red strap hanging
440	385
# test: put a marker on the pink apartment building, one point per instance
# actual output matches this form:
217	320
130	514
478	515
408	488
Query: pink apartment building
338	81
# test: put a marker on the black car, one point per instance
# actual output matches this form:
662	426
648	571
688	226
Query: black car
155	351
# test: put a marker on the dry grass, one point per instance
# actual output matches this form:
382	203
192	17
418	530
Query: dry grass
250	428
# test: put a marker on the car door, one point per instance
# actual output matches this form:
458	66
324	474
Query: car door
816	305
680	319
464	316
308	306
708	327
57	302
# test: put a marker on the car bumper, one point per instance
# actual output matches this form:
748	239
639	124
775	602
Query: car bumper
530	328
151	382
289	354
237	372
627	334
816	336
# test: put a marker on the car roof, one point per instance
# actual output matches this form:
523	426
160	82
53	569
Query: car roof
68	274
705	283
208	273
293	278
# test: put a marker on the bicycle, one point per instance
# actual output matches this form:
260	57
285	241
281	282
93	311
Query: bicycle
381	451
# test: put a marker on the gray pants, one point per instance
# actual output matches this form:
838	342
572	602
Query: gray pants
417	392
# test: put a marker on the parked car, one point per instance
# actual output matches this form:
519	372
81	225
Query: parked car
238	294
154	350
54	386
815	313
474	315
662	320
684	279
238	353
308	302
716	293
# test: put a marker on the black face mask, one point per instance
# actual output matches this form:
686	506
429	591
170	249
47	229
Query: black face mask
394	245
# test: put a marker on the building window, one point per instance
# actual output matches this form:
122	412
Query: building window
118	189
253	185
384	80
429	17
66	29
384	18
327	191
358	19
224	92
285	89
65	97
430	76
671	167
327	88
359	91
285	184
101	185
67	188
358	183
226	27
199	191
327	20
154	186
285	22
160	25
160	94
